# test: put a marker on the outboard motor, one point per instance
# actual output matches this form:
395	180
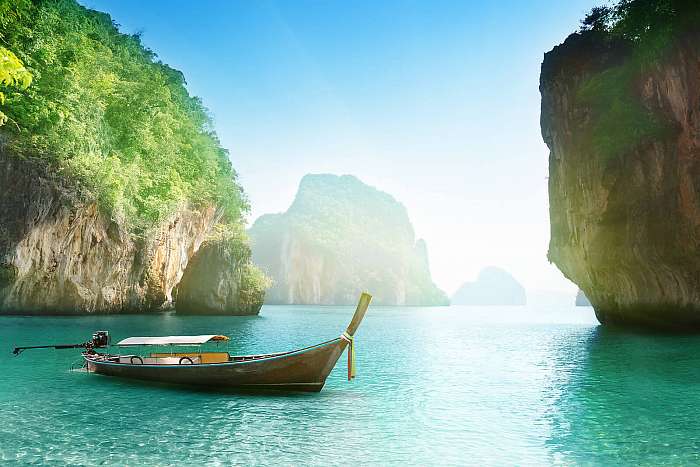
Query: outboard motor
100	339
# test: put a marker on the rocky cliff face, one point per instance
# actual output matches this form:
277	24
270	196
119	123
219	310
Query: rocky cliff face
220	279
59	254
338	238
625	211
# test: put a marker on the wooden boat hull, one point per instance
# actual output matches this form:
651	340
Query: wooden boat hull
301	370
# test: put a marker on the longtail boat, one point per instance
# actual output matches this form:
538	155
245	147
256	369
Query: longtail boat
303	369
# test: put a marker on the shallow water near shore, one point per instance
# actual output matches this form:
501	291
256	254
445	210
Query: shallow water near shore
435	386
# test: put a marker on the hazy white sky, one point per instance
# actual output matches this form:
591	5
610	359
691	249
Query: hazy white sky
434	102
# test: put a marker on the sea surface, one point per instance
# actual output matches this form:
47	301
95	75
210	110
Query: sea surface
435	386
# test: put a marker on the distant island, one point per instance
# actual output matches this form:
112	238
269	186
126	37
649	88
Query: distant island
581	299
339	237
494	286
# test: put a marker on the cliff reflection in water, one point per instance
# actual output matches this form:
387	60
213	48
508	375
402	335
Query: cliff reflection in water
618	397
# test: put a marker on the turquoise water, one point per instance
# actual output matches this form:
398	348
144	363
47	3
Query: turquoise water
435	386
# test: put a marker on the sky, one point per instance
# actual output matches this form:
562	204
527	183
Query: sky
435	102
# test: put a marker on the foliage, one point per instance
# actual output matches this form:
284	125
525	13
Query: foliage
599	19
232	242
12	74
621	122
253	285
105	111
341	211
638	18
649	24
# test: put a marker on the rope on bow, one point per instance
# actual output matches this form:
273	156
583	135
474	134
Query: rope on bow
351	354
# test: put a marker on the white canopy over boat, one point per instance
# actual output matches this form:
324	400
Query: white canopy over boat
171	340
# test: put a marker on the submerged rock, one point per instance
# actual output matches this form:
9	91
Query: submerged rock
624	176
494	286
338	238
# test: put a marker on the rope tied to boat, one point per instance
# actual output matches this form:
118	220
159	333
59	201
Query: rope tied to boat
351	354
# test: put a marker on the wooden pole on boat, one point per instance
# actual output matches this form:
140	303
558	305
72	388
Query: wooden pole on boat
349	334
365	298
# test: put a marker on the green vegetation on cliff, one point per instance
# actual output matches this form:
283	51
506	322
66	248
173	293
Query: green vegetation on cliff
621	122
232	244
211	286
649	24
105	112
12	74
646	28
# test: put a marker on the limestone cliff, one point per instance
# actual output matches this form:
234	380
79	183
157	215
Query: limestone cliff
340	237
220	279
624	175
111	175
60	254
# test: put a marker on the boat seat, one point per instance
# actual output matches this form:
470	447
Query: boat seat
202	357
158	359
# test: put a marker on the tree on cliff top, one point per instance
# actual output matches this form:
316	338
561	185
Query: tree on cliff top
598	19
648	28
106	113
643	21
